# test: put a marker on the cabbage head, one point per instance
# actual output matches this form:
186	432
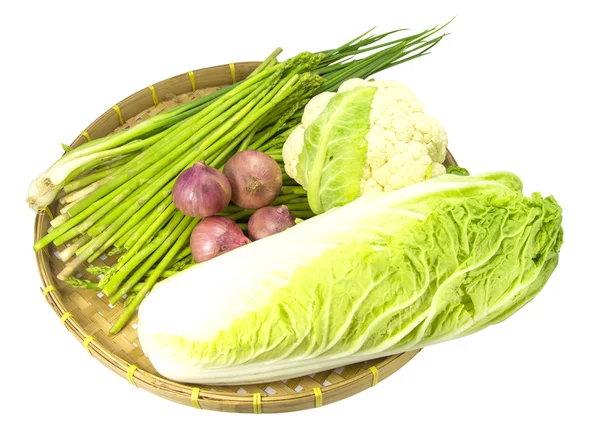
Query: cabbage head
386	273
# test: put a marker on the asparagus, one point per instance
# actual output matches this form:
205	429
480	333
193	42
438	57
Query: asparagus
118	276
297	190
184	138
146	229
103	244
111	194
87	284
303	214
120	243
130	224
121	267
68	252
184	253
181	264
152	253
116	250
98	270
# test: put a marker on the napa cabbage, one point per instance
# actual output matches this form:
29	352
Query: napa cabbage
386	273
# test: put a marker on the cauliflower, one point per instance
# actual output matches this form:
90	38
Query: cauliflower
403	145
315	106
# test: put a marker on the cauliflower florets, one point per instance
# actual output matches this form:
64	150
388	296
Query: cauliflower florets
412	148
405	146
291	152
315	106
391	97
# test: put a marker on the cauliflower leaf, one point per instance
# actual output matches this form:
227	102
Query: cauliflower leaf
335	150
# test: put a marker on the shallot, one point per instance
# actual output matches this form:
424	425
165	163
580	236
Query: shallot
201	191
255	179
270	220
214	236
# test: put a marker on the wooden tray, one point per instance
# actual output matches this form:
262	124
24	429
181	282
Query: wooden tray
88	315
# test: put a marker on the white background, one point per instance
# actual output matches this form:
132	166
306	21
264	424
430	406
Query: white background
515	87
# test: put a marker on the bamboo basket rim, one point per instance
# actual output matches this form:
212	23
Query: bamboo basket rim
189	394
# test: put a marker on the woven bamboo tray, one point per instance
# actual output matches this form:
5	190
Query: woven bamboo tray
88	315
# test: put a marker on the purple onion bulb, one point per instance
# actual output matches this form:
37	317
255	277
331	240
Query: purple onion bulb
270	220
255	179
201	191
214	236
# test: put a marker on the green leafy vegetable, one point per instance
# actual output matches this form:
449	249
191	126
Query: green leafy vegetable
334	170
458	171
386	273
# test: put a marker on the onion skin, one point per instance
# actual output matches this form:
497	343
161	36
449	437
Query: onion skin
255	179
214	236
201	191
270	220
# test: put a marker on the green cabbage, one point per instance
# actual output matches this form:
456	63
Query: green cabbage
386	273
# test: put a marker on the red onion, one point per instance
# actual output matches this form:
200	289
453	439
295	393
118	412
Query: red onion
214	236
201	191
255	179
270	220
